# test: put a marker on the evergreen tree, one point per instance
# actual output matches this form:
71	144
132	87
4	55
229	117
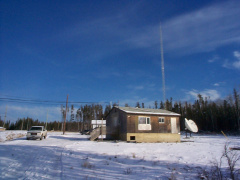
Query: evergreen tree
107	110
72	113
155	104
137	105
237	109
161	105
208	115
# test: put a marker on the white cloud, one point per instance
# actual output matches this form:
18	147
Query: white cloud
205	29
202	30
214	59
226	64
237	54
219	83
146	86
235	64
207	93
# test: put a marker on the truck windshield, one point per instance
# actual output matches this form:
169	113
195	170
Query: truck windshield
36	128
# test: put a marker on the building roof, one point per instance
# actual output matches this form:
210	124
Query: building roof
147	111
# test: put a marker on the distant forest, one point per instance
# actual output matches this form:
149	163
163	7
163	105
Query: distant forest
209	115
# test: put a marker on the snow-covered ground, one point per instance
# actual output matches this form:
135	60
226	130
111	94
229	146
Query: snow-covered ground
73	156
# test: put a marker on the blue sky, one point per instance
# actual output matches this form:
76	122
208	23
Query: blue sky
102	51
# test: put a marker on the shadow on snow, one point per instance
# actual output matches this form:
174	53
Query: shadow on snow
52	162
70	138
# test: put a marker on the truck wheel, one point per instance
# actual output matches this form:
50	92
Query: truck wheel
27	138
45	137
41	137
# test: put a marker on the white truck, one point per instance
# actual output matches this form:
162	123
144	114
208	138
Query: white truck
37	132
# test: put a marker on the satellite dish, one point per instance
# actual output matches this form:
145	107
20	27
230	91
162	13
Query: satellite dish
191	125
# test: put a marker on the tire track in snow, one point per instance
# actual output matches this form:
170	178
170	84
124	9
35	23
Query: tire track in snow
35	159
32	159
52	157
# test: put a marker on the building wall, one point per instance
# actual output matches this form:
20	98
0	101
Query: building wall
122	125
156	127
112	125
122	122
116	124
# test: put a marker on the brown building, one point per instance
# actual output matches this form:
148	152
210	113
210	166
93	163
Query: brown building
143	125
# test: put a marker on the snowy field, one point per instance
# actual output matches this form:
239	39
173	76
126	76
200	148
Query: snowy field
73	156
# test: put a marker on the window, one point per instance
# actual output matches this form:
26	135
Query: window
148	120
132	138
161	119
36	128
143	120
144	123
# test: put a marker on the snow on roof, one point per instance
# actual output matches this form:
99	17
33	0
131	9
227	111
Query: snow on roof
147	111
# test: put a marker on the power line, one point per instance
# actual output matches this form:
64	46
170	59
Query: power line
49	102
31	100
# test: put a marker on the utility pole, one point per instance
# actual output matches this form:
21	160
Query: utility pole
79	118
5	117
82	122
27	123
163	74
64	124
102	130
46	120
22	125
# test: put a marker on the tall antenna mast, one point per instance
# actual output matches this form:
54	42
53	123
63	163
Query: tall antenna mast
163	74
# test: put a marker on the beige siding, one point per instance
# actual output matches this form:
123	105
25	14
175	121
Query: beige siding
151	137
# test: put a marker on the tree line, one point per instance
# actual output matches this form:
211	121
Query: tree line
208	115
77	120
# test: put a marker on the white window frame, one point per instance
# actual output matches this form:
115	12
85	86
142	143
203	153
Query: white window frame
146	119
162	120
147	125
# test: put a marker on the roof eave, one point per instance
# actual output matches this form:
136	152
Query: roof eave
154	113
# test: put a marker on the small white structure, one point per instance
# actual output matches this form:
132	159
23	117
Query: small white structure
2	129
100	123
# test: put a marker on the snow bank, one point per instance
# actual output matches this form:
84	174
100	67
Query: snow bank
10	135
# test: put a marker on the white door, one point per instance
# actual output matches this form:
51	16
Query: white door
174	125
